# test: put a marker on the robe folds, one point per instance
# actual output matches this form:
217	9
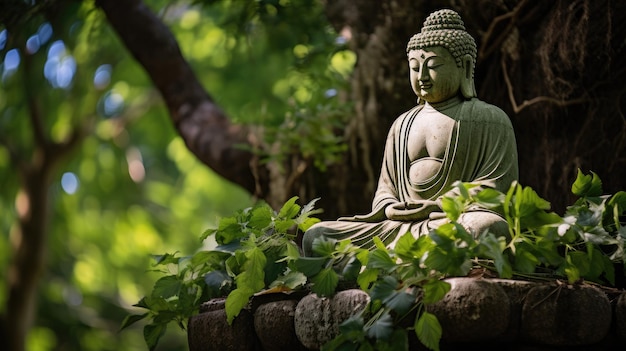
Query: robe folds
481	150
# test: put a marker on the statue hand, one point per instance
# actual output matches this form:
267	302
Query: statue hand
411	211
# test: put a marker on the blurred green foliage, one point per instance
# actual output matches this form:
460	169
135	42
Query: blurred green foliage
132	188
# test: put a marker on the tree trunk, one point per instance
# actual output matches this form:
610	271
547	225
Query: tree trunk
29	248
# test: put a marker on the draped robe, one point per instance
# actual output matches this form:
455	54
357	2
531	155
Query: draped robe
481	149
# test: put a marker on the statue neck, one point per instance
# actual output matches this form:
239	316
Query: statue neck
443	105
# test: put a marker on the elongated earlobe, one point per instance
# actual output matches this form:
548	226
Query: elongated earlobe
467	82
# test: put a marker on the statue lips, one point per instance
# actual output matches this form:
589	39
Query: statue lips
426	86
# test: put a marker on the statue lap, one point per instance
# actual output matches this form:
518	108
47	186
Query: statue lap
389	231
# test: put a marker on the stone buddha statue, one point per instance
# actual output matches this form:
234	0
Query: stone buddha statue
449	136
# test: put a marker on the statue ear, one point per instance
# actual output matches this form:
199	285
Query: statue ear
467	81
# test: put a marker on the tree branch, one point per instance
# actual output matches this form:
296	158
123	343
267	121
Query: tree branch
486	49
537	99
201	123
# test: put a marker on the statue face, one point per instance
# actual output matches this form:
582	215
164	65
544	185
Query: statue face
434	74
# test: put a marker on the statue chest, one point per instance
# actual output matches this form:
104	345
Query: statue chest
429	137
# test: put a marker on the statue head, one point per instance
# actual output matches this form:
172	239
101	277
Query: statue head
444	52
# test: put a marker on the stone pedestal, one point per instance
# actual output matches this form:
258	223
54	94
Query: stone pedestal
488	314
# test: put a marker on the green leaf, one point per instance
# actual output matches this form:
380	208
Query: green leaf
449	260
538	219
252	280
283	225
366	278
428	330
580	260
596	186
399	340
132	319
253	274
453	207
228	230
444	234
609	269
400	302
255	260
213	258
494	248
339	343
381	259
463	189
529	202
323	246
596	264
292	250
587	185
188	301
310	266
164	317
166	259
382	328
582	184
304	225
205	234
352	328
290	209
406	246
547	253
304	220
508	206
152	333
525	261
384	288
572	272
261	217
216	282
379	243
489	198
366	346
325	282
230	248
435	290
236	301
618	202
352	269
167	287
309	209
363	255
143	303
292	280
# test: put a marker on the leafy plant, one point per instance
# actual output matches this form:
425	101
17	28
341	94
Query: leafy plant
256	252
585	243
401	282
253	250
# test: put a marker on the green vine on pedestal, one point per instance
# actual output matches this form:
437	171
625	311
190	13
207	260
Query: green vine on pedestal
256	253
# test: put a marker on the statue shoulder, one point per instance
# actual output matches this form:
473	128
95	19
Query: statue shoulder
482	111
406	116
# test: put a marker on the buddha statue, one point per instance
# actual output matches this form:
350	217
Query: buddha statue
449	136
